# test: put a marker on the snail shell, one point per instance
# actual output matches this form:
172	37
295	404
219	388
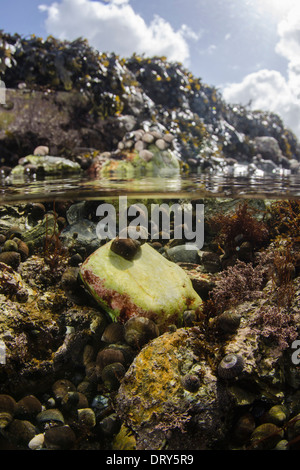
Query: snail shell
140	330
230	366
125	247
191	382
229	321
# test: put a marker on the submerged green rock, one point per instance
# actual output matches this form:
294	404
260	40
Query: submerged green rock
149	285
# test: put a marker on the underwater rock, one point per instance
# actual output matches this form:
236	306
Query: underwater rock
154	403
266	436
183	253
149	285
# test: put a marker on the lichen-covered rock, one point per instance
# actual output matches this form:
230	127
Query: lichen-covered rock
148	285
47	165
157	403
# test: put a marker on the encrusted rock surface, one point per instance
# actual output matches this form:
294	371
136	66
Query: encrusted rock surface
155	405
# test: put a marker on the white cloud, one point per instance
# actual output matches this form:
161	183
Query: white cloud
268	89
113	26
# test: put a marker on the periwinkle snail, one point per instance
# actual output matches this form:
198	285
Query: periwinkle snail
125	247
230	366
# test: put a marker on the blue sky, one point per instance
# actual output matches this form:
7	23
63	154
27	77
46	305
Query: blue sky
248	49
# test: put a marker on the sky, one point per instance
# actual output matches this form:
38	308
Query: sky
248	49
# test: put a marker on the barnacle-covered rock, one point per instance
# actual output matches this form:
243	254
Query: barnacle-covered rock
141	152
169	390
149	285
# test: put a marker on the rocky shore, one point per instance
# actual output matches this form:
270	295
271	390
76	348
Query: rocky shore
101	111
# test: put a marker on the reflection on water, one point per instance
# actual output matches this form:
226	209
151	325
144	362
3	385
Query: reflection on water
169	186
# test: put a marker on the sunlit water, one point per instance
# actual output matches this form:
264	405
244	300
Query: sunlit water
274	186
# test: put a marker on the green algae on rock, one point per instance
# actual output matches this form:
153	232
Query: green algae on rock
48	165
149	285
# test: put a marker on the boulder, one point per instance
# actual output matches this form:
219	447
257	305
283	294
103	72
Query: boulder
170	396
47	165
148	285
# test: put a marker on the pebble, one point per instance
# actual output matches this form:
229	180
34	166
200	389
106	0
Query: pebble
146	155
139	145
37	442
161	144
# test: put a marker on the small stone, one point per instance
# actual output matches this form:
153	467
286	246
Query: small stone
139	145
146	155
148	138
41	150
37	442
161	144
168	138
128	144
